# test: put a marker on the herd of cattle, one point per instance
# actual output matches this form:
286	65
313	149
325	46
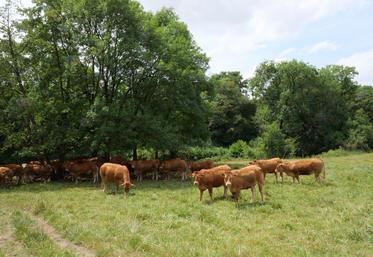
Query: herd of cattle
204	174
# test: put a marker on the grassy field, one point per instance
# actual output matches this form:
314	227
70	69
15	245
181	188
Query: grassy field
166	218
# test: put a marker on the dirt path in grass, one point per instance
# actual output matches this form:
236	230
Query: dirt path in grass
59	240
9	244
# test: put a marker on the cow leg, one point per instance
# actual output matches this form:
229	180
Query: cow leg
317	177
225	191
210	193
253	196
103	184
264	173
297	177
156	175
237	195
276	177
282	177
200	194
261	190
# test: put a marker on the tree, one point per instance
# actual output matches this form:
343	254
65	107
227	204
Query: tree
310	105
102	77
232	112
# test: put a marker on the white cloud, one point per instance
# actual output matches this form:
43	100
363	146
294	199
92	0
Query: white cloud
322	46
363	62
229	31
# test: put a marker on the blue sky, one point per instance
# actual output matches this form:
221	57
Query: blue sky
240	34
237	35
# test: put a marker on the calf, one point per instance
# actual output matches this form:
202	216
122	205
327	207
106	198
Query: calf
196	166
267	166
116	173
209	178
173	165
302	167
245	178
145	166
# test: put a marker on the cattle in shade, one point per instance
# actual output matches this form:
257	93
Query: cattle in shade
267	166
17	171
302	167
36	172
173	165
210	178
82	168
6	176
117	174
142	167
196	166
245	178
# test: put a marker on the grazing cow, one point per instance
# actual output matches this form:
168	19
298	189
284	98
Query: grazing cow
267	166
17	171
245	178
6	175
195	166
116	173
83	167
145	166
177	165
209	178
302	167
38	171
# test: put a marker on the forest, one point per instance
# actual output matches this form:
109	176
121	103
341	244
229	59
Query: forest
105	77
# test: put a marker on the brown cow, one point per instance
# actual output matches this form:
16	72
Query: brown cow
177	165
267	166
145	166
35	171
17	171
116	173
209	178
6	175
245	178
196	166
83	167
302	167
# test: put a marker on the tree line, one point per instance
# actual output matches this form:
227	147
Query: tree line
105	77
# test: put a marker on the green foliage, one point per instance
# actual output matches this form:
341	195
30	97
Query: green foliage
339	152
231	111
99	77
309	104
276	144
202	153
239	149
360	133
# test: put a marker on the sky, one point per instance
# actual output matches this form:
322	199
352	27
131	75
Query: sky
237	35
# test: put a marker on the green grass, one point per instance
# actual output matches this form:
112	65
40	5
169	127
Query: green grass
166	218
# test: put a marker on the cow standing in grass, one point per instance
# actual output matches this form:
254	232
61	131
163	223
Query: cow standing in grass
141	167
302	167
117	174
38	171
87	167
6	176
245	178
210	178
173	165
267	166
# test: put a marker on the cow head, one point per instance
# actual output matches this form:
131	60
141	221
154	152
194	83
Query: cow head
253	162
127	186
196	176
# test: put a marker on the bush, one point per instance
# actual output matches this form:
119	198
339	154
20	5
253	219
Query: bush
239	149
276	144
336	153
201	153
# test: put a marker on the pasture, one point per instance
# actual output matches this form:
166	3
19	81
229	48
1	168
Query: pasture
166	218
